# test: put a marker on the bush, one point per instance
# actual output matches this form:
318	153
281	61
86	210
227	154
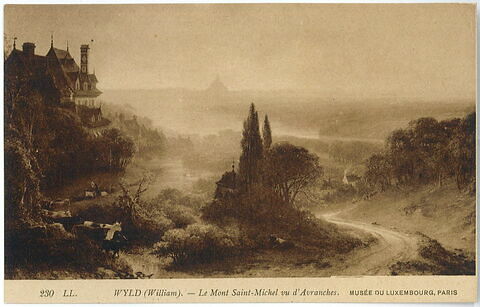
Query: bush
260	219
180	216
173	205
149	228
198	243
52	248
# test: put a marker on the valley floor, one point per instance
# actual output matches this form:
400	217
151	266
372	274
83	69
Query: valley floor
428	230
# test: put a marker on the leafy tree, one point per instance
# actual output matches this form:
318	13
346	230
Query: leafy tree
22	184
426	138
115	149
252	150
463	151
427	151
402	152
378	171
267	134
442	157
292	170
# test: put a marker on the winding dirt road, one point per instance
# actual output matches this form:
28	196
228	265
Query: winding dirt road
391	246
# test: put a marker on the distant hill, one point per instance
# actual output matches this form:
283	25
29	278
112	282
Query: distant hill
301	114
217	87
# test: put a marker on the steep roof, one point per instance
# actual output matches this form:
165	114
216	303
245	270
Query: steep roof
62	54
61	79
59	64
30	64
69	65
71	73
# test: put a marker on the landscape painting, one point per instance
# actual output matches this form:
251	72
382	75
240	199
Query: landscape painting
239	140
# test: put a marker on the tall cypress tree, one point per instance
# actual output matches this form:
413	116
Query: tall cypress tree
267	134
252	150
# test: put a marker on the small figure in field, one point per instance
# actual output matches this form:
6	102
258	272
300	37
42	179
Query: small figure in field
95	189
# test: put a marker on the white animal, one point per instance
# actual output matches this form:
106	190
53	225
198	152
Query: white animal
89	194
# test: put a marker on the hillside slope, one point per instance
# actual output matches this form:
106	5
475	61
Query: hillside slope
442	213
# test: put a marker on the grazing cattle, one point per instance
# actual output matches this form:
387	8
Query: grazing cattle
89	194
91	224
110	235
104	193
115	244
97	231
112	229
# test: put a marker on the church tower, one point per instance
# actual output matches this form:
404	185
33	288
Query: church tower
84	58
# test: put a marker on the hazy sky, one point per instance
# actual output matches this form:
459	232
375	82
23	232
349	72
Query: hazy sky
425	51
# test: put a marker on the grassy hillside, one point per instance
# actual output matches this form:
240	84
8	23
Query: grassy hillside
442	213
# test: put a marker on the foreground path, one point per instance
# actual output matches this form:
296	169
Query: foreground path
391	246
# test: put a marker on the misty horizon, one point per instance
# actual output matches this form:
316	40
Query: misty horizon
319	94
376	51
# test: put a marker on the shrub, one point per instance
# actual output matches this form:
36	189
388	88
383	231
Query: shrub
260	219
174	205
198	243
51	247
181	216
149	228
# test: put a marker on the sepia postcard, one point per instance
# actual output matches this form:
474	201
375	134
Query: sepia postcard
298	152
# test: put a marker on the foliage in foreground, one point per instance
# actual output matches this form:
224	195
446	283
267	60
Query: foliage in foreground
50	248
145	221
199	243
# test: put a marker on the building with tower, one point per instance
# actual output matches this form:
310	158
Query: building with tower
77	87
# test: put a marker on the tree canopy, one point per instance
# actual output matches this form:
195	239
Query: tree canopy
427	151
252	150
267	133
292	170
